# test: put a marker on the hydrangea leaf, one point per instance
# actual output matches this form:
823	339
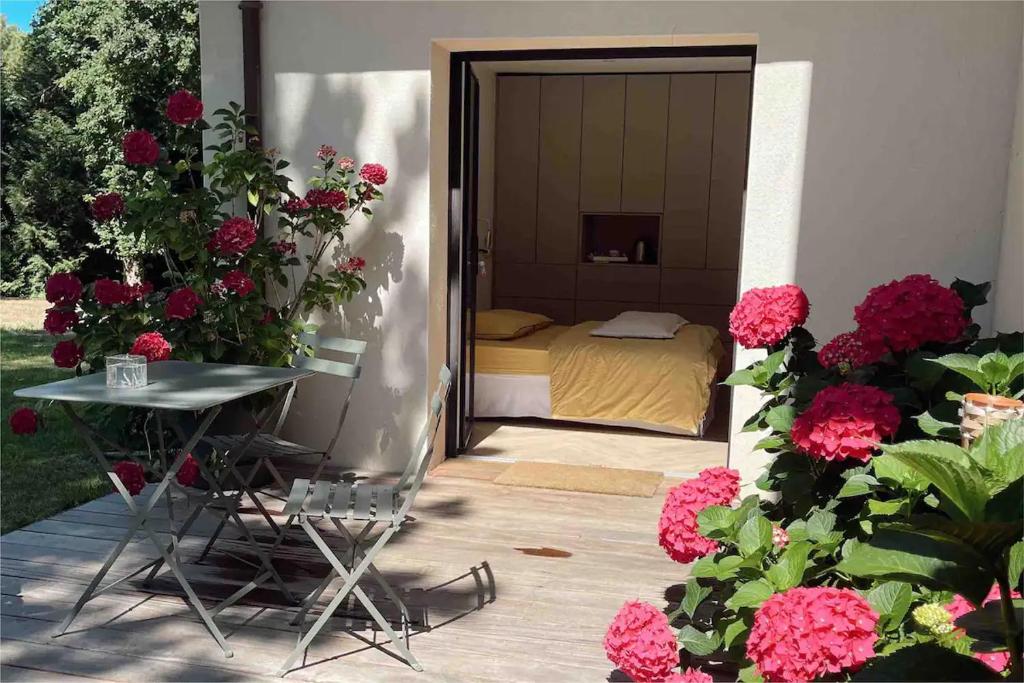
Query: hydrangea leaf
754	535
697	642
1016	563
715	521
695	594
925	662
780	418
750	594
948	468
789	571
964	364
891	600
857	485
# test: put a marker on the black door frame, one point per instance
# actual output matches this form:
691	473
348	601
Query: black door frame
462	233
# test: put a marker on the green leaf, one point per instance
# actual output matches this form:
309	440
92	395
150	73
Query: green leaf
923	373
931	422
887	508
741	378
750	674
991	539
253	197
695	594
780	418
769	442
1000	449
986	624
727	566
931	558
820	525
735	630
891	600
754	535
925	662
964	364
789	571
948	468
698	643
750	594
716	518
1016	563
857	485
996	368
704	568
892	470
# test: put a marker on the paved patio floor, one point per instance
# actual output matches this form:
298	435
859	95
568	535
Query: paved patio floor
513	584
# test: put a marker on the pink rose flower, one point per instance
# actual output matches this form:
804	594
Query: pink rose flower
181	304
106	207
845	421
640	643
63	289
764	317
153	346
805	634
238	282
184	108
375	174
110	292
233	237
24	421
140	148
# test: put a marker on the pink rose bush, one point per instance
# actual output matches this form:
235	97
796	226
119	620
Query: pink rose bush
806	633
677	527
233	237
846	421
640	643
764	317
153	346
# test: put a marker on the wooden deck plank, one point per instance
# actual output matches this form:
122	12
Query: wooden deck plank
497	613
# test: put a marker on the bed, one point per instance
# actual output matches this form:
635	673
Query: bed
564	373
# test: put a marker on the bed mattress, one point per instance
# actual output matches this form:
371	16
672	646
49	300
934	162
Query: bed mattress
524	356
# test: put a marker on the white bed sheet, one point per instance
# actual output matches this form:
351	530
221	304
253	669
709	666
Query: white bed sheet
530	396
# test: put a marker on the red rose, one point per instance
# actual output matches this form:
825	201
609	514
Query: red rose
24	421
131	475
238	282
327	199
845	421
907	313
284	248
326	152
353	265
181	304
110	292
153	346
188	473
234	236
140	148
851	350
59	320
107	207
183	108
764	316
138	292
294	206
375	174
63	289
67	354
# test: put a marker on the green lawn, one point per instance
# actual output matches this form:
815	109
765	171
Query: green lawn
42	474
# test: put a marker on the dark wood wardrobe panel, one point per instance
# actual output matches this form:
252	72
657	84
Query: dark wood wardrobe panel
562	311
617	283
687	170
643	149
534	281
558	174
693	286
604	100
606	310
728	170
515	164
713	316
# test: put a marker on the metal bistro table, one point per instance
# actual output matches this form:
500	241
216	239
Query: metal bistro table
174	387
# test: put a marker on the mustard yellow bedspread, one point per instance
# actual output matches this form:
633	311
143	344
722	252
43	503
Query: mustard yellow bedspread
659	381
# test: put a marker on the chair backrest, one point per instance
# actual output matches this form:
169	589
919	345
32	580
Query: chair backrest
416	469
315	343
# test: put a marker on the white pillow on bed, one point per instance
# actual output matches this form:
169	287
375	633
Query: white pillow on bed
641	325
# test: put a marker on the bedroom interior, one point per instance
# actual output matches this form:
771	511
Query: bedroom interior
608	190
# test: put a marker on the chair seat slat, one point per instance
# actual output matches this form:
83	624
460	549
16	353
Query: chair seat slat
385	502
342	498
364	496
296	497
317	505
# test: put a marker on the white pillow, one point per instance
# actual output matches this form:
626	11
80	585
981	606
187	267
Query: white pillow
641	325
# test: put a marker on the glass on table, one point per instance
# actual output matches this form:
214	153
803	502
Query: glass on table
126	371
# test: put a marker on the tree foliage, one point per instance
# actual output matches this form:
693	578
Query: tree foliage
89	71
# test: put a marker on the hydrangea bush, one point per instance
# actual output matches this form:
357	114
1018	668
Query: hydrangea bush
882	545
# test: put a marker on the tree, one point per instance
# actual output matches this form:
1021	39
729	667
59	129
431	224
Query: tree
89	71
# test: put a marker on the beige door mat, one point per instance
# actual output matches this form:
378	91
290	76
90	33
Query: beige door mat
587	478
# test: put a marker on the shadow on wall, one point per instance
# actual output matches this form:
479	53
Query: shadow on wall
382	420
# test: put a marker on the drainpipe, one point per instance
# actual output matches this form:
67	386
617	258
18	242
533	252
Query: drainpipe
251	68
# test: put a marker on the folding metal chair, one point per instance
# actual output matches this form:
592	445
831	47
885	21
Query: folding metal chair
267	446
371	504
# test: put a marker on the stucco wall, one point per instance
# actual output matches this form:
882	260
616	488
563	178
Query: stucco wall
1009	294
879	148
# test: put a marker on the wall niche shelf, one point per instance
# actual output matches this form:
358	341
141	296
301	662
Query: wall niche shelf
606	234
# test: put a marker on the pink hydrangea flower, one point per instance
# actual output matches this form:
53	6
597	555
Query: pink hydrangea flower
59	320
63	289
238	282
107	207
845	421
691	675
346	163
677	527
67	354
375	174
184	108
326	152
284	247
907	313
807	633
327	199
295	206
851	350
24	421
153	346
764	316
640	643
780	537
997	661
188	473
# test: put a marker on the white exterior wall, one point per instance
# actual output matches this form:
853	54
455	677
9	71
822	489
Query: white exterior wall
1009	300
879	148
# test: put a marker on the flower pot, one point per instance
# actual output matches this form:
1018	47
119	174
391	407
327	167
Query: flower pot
978	411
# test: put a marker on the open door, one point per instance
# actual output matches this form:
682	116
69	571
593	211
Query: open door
464	121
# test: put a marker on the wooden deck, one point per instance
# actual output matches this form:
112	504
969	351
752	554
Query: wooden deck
514	584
